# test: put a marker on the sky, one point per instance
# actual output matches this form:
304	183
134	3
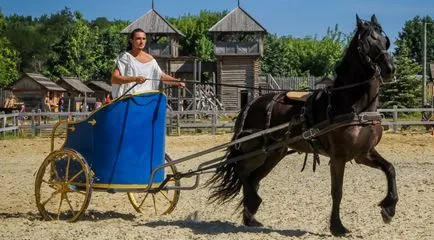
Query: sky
297	18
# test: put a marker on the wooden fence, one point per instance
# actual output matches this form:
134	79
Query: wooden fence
34	123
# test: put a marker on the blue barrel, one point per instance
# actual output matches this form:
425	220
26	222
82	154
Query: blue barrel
123	142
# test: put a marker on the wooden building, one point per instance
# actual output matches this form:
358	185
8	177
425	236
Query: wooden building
101	89
238	40
162	37
32	88
77	94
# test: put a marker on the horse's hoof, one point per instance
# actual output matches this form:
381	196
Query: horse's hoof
252	223
339	231
386	215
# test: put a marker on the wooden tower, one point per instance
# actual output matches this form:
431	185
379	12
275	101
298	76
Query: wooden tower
162	37
238	40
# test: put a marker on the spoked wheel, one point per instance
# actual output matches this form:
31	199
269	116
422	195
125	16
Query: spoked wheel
63	186
159	203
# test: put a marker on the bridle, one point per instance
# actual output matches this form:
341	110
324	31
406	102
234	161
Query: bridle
364	47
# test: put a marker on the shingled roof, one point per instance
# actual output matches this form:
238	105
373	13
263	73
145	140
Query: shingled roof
77	84
152	22
45	82
237	20
103	85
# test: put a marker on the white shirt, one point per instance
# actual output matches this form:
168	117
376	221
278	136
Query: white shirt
128	65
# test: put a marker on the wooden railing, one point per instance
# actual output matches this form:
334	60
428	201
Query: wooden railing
177	121
236	48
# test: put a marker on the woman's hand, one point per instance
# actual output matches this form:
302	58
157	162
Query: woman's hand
180	84
139	79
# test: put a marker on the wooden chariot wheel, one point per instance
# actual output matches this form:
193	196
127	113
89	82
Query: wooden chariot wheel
159	203
63	186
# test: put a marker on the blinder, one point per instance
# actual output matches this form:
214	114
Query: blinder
365	47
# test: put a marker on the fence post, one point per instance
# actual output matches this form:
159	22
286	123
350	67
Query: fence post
33	124
213	122
15	123
395	119
168	124
4	123
178	122
38	119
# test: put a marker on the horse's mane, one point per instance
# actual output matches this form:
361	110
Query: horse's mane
346	60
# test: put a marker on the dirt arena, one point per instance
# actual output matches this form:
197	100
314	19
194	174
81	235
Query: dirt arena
296	205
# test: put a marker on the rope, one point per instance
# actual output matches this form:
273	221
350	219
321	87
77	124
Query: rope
238	86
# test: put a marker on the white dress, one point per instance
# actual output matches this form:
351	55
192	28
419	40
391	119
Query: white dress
128	65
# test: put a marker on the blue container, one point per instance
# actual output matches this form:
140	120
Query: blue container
123	141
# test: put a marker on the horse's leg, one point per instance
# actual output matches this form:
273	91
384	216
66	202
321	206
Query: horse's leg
375	160
337	169
251	200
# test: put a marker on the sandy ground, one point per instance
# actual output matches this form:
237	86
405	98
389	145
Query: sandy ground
296	205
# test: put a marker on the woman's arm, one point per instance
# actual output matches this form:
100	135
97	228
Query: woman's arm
117	78
167	79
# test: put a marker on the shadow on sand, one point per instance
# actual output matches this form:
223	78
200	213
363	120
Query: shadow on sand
217	227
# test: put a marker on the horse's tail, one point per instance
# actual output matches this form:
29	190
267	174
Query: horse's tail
225	183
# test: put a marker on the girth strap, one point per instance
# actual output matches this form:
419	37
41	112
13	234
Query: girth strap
314	143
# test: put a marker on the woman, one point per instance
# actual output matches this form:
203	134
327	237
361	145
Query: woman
136	66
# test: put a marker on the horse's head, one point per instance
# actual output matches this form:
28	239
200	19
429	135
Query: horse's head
373	44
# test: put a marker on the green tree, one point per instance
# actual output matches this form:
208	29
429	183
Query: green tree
406	92
8	57
112	43
77	53
197	41
287	56
412	34
276	60
8	63
32	37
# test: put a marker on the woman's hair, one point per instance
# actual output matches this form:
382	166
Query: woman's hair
131	37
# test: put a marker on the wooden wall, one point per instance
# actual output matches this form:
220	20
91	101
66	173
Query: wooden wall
29	92
237	70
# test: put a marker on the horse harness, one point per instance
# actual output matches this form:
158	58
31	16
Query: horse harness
310	129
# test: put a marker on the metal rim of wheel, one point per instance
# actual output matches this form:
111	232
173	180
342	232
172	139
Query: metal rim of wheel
142	201
63	186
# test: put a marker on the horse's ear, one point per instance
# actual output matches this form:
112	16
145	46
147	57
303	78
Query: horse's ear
359	21
374	20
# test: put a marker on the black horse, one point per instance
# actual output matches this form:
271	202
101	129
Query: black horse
364	67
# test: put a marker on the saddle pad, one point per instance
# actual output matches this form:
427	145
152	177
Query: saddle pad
298	96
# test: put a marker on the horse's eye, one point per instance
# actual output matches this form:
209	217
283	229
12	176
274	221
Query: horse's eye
387	42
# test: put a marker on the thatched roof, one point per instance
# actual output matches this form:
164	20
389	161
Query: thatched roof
237	20
153	23
45	82
77	84
103	85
